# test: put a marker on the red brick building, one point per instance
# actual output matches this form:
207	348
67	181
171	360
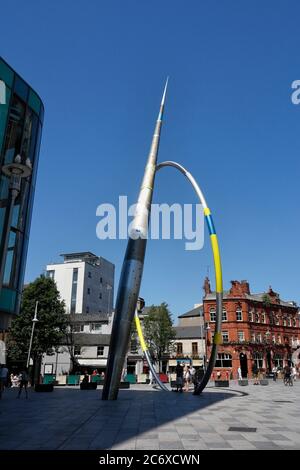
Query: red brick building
258	328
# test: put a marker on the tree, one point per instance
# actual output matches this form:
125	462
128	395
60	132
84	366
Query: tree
50	329
159	331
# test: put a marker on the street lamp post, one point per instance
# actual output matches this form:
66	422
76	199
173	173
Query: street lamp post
34	320
15	171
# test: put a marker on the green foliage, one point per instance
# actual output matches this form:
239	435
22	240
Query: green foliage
51	326
159	331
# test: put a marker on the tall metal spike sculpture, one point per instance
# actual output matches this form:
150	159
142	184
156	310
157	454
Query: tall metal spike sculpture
132	270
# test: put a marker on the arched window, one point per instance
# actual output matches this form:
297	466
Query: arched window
256	316
294	322
258	359
289	321
276	319
224	360
263	317
212	314
239	314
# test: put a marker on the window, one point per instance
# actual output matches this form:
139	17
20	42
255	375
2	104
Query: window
289	321
256	317
87	310
276	320
258	338
241	336
294	322
258	360
77	350
278	360
279	339
50	274
212	314
224	315
263	317
95	327
224	360
251	315
78	328
100	350
271	315
253	339
89	274
284	322
273	339
100	296
179	348
225	336
194	349
239	314
74	290
88	291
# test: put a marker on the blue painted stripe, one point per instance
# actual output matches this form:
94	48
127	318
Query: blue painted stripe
210	225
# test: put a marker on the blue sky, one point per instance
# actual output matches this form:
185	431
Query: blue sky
100	68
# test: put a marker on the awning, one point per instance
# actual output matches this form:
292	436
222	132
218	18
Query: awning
93	362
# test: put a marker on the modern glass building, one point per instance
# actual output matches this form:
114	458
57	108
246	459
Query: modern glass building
21	120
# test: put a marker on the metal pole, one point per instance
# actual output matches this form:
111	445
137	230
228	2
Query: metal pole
34	320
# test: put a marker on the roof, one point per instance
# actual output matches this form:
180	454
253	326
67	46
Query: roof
188	332
195	312
88	339
87	318
253	297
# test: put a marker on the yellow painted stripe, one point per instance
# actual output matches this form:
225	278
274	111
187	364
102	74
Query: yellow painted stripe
207	211
140	333
217	261
218	338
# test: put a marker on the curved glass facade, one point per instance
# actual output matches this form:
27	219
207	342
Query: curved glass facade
21	120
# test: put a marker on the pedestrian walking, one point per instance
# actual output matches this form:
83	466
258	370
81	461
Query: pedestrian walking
24	379
187	378
179	377
239	371
3	378
255	374
274	372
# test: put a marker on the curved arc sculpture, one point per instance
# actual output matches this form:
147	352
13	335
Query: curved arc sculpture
219	285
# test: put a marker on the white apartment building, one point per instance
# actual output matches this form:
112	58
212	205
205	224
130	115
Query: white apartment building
85	282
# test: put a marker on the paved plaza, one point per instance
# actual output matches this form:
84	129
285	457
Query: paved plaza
143	418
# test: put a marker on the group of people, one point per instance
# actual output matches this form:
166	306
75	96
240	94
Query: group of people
14	380
185	376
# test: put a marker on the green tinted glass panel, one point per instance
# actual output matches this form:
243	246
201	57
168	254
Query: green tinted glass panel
3	116
34	102
21	88
7	299
6	74
8	266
